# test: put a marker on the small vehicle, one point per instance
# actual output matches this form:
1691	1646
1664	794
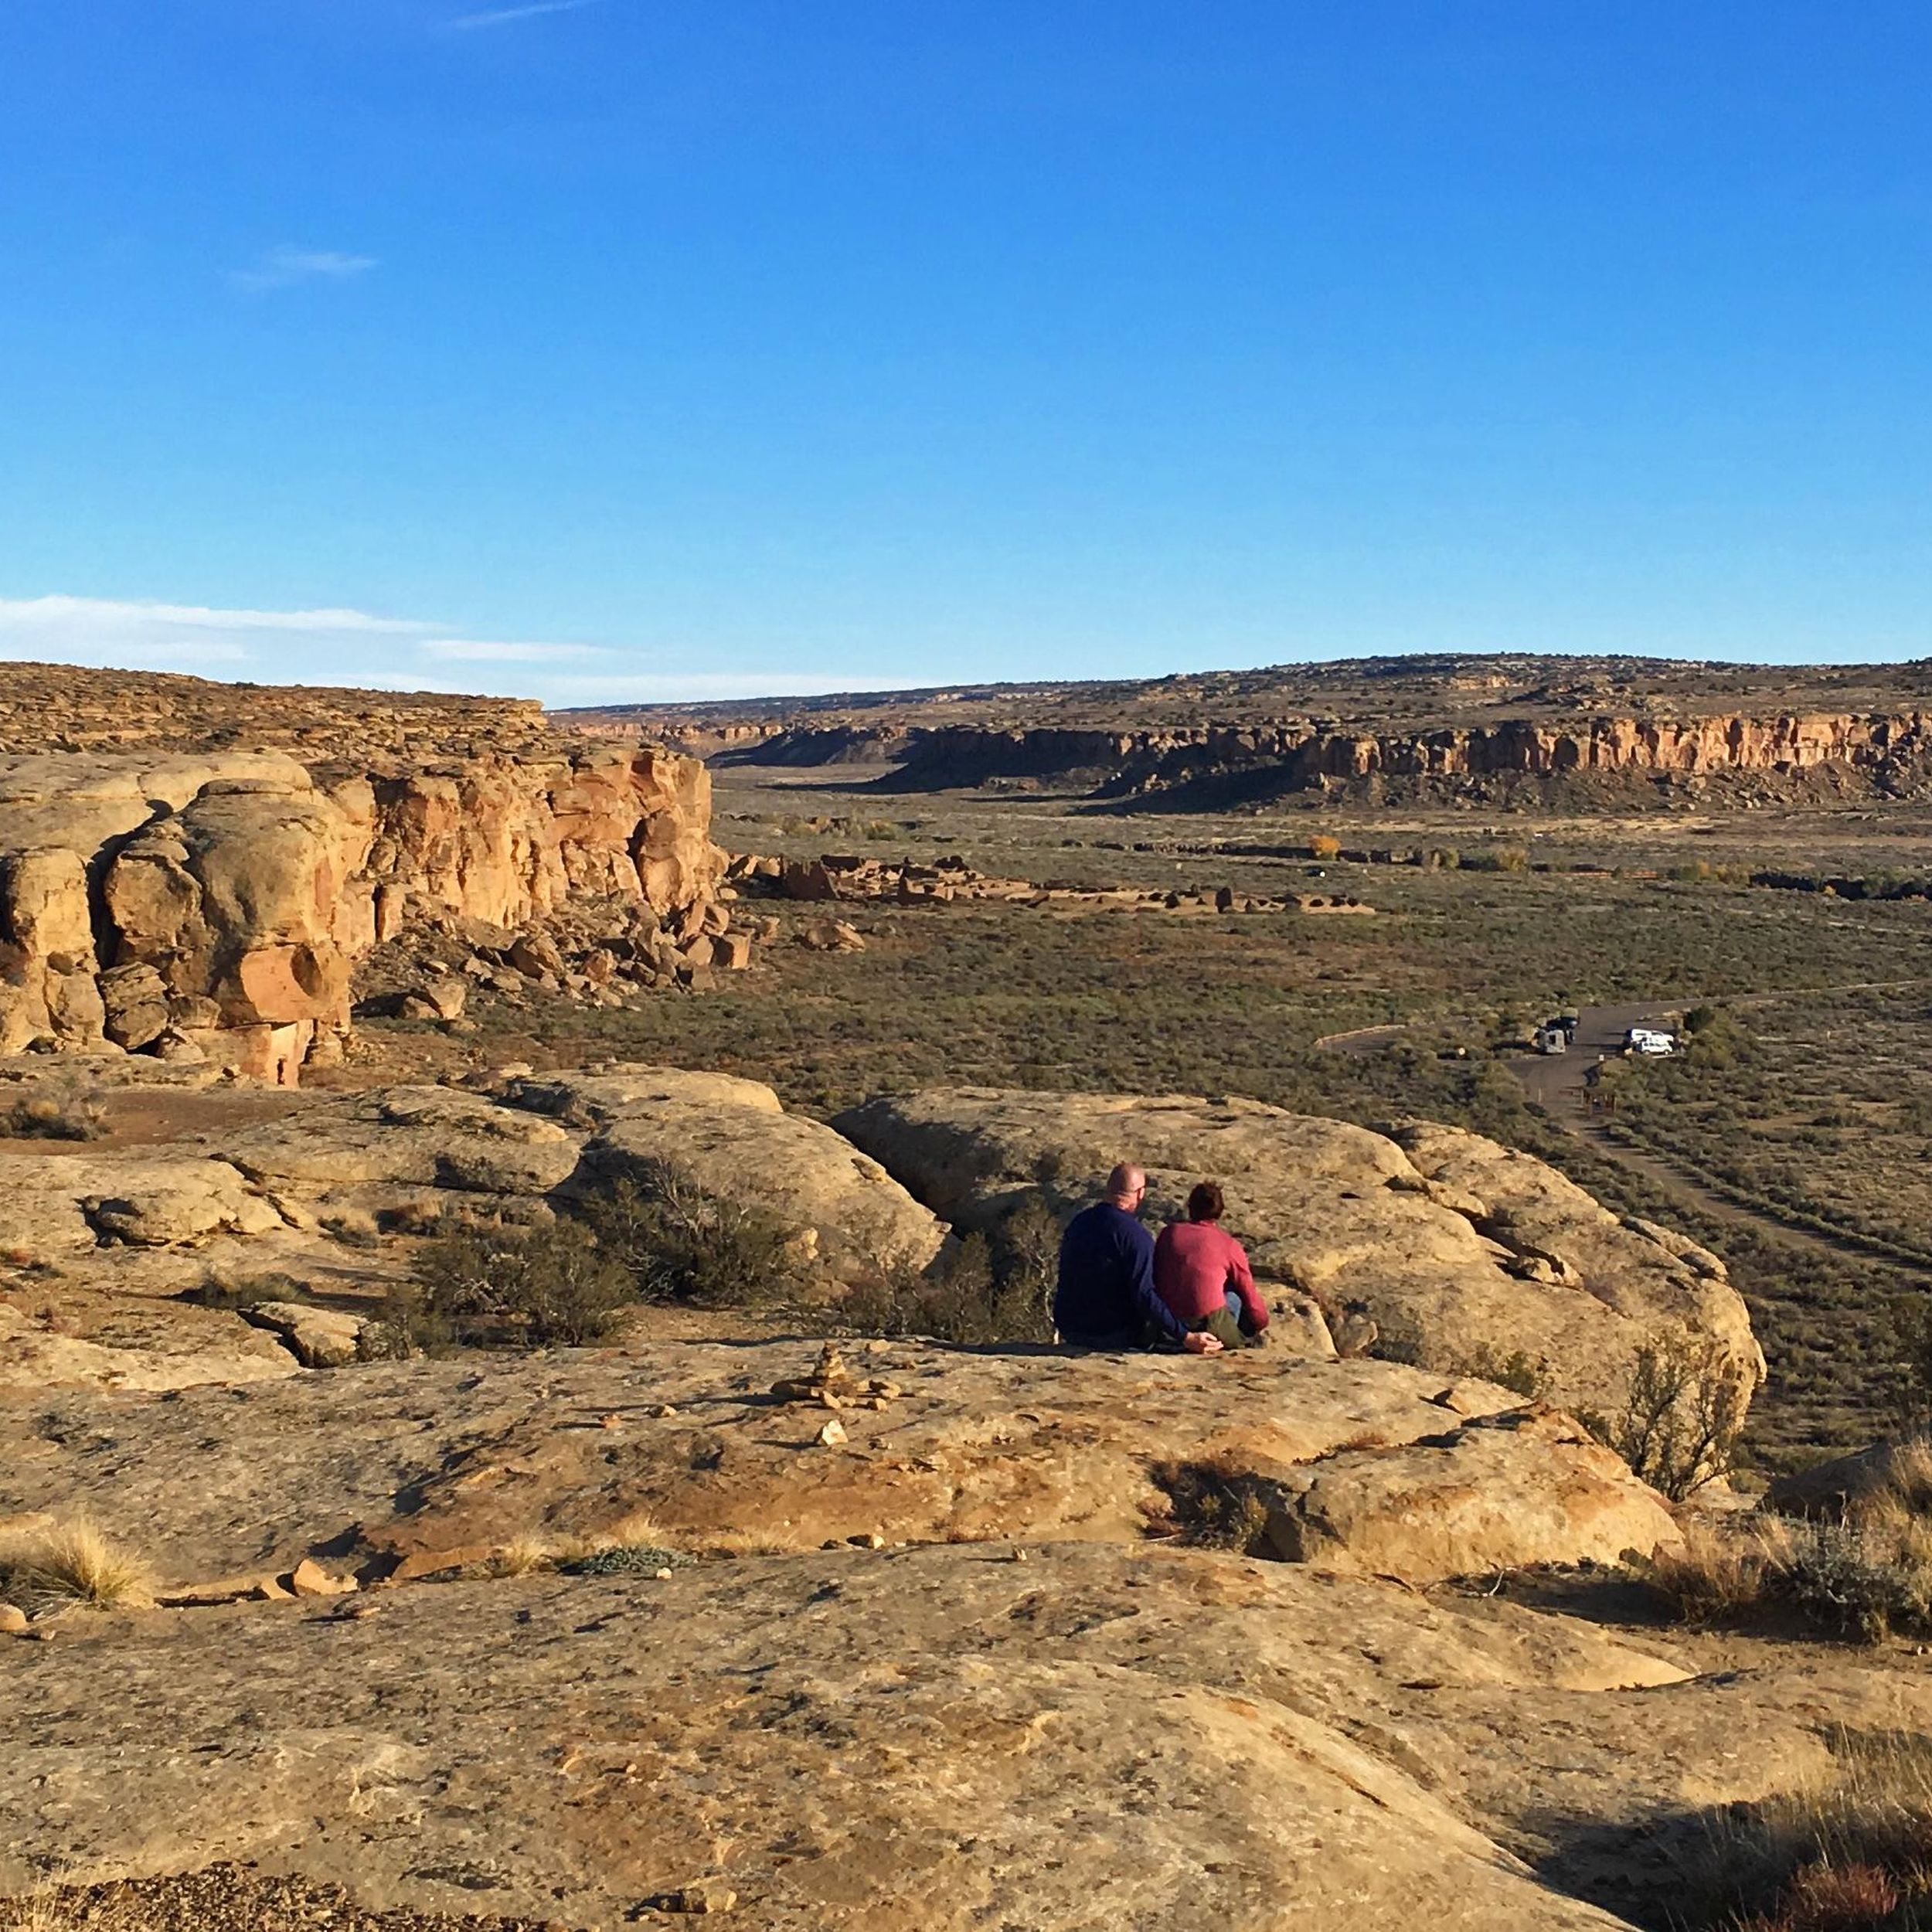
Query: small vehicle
1650	1040
1553	1038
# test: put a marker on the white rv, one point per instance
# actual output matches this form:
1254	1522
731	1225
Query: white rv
1649	1039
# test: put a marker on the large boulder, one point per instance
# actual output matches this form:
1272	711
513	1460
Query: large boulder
1464	1254
55	1207
1508	1491
730	1138
417	1136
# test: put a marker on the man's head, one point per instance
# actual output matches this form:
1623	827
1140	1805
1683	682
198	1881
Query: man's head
1125	1186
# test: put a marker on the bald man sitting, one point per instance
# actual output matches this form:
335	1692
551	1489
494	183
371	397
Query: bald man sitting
1106	1298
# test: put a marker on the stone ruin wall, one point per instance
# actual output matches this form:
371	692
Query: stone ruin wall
214	906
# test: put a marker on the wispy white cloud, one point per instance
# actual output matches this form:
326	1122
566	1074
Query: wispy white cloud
502	16
480	650
647	687
283	267
107	633
334	646
53	614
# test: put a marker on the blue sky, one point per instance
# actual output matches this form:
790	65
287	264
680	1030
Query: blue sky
607	349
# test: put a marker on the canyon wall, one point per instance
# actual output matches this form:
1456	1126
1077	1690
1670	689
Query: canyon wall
213	904
1879	752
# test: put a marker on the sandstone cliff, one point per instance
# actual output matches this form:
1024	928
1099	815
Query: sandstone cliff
1494	726
1879	752
215	904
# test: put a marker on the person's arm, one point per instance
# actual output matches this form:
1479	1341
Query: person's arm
1146	1299
1253	1306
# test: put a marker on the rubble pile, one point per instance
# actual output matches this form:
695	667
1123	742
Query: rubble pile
834	876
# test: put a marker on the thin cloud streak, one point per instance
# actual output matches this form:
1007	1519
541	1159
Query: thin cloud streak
284	267
503	16
480	650
361	650
39	614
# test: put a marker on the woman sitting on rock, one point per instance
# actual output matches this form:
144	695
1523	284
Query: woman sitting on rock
1202	1273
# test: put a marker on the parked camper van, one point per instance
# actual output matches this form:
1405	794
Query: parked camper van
1649	1039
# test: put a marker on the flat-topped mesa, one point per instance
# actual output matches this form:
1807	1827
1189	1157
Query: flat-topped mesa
214	906
1876	752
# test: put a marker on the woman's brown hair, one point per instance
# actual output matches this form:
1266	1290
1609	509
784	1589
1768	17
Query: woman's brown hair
1205	1202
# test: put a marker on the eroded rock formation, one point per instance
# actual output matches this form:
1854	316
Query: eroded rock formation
214	905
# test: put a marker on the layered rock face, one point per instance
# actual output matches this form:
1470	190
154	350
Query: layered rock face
214	905
1879	751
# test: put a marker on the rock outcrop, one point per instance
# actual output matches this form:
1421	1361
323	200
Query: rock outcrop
214	906
929	1741
1463	1253
1496	727
326	1194
996	1702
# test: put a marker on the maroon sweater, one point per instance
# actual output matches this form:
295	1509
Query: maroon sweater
1197	1264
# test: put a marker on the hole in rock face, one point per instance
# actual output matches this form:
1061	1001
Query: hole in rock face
308	969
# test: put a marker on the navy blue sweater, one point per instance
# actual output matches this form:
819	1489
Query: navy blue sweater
1107	1280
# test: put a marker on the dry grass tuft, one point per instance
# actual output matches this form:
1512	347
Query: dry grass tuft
51	1909
1720	1574
1852	1853
73	1562
526	1556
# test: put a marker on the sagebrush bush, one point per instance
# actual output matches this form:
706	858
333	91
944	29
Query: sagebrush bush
1681	1417
677	1242
1215	1504
1865	1573
986	1288
544	1287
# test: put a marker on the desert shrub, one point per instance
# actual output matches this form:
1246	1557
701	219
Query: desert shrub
73	1562
1519	1371
1682	1416
1325	847
678	1243
412	1323
986	1288
51	1117
1215	1504
1497	858
543	1286
1867	1576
